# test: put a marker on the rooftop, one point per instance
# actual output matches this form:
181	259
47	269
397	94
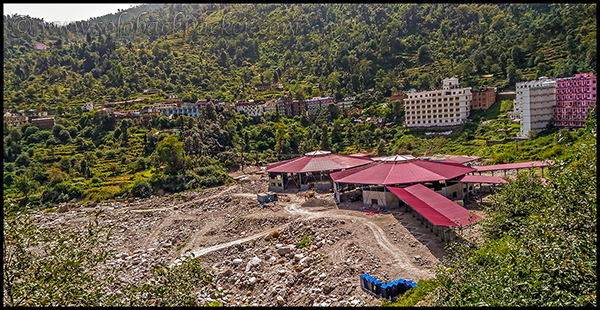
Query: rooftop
318	161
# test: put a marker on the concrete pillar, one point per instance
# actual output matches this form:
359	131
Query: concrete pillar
384	196
446	188
362	193
282	183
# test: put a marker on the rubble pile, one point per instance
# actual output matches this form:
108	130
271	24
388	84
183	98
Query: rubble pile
278	271
258	256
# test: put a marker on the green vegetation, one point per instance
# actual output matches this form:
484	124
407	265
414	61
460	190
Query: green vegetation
366	50
305	242
412	296
539	245
312	49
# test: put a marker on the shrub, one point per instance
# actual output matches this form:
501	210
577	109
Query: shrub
141	188
61	193
110	154
22	160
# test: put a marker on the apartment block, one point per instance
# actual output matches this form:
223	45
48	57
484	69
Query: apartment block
284	106
190	110
249	107
318	103
575	99
446	107
298	107
535	101
346	103
483	98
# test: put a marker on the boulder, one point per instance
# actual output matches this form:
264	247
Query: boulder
284	251
254	262
280	301
305	262
237	261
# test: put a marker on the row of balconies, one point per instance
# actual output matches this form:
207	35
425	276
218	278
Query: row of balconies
432	111
433	116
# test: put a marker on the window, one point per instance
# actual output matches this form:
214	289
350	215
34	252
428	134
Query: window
374	201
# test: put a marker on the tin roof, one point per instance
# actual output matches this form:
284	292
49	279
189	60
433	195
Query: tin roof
481	179
461	159
436	208
401	171
527	164
318	161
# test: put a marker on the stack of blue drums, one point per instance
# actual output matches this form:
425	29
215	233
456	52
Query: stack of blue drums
388	290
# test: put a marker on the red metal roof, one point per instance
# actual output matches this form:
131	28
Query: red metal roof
359	155
403	172
436	208
527	164
461	159
481	179
320	162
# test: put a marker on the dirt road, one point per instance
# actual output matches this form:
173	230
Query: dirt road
399	259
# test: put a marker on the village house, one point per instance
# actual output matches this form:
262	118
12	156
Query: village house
483	98
88	106
43	123
15	119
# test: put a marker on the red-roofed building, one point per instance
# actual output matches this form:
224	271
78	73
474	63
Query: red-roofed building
401	170
312	169
435	211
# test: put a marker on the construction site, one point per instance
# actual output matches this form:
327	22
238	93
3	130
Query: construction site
288	247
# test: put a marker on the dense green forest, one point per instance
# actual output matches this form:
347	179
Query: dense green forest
313	49
339	49
364	50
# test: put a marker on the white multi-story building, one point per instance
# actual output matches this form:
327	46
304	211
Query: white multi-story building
346	103
190	110
534	103
249	107
446	107
318	103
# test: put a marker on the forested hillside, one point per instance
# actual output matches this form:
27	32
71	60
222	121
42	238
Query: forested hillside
539	239
313	49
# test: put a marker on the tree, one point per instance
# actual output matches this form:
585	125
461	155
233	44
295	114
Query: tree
539	239
281	136
25	184
171	153
325	143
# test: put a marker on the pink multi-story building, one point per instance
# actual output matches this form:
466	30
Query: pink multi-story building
575	98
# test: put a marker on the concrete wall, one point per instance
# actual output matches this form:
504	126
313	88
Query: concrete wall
458	188
275	182
390	198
